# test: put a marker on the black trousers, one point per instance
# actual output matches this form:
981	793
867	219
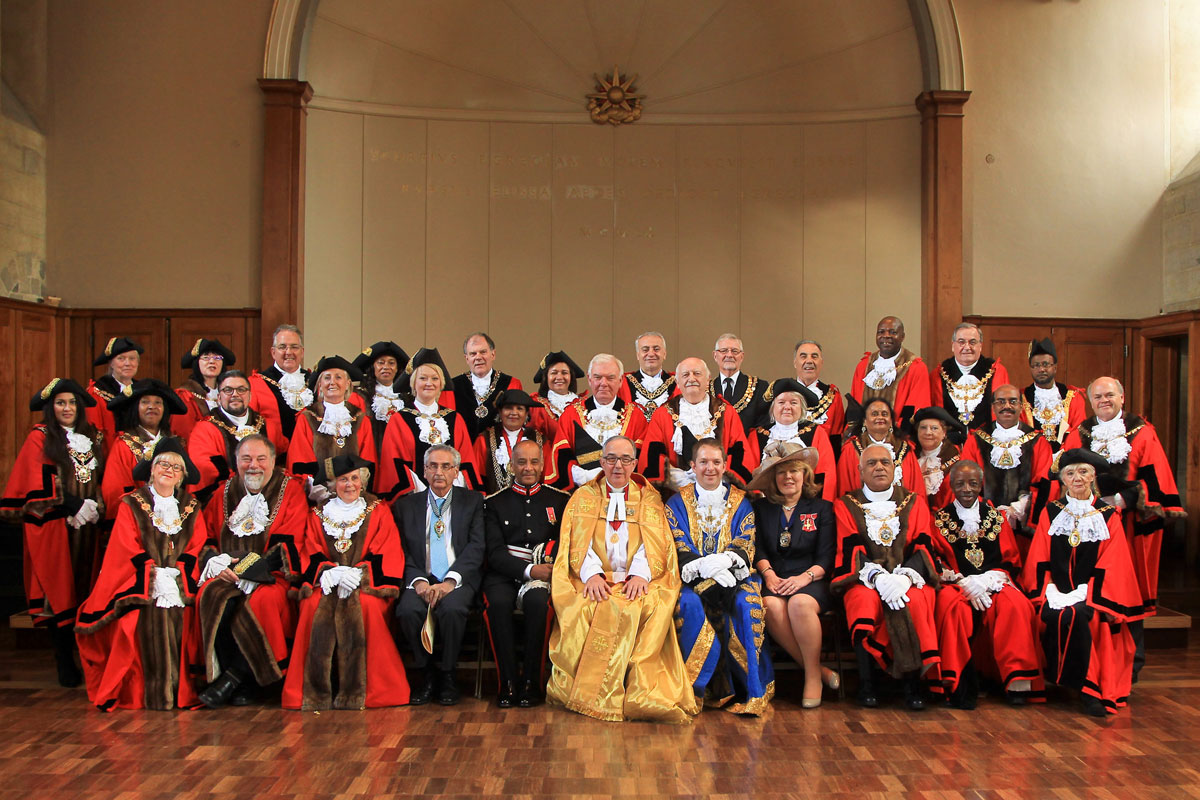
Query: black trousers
449	620
499	605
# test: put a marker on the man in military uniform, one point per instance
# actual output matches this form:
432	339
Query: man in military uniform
521	529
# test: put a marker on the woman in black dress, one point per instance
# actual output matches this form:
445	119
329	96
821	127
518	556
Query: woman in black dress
794	552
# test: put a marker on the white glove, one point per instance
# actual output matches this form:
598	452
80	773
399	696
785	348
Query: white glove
246	586
1114	500
1019	510
893	590
975	587
995	580
166	588
1078	595
215	566
678	478
350	580
329	579
691	570
867	573
950	576
712	564
725	578
88	513
581	476
318	493
1056	599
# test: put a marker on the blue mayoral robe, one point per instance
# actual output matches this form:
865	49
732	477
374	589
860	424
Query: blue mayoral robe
721	630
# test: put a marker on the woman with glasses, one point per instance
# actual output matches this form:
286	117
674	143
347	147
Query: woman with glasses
53	491
143	417
136	631
207	359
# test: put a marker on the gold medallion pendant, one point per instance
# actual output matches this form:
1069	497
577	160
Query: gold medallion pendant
82	474
651	407
340	441
1006	460
342	545
1074	538
439	528
886	534
878	383
481	412
435	436
614	539
785	539
975	556
247	525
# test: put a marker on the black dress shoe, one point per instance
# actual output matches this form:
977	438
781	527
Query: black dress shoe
69	675
243	696
424	692
218	693
1092	706
912	695
866	680
507	695
1016	698
530	695
447	693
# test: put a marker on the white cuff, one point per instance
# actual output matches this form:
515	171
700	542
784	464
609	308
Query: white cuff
868	572
639	566
215	566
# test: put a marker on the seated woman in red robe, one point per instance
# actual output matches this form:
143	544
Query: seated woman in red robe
344	655
54	492
133	628
1080	576
413	430
142	417
877	427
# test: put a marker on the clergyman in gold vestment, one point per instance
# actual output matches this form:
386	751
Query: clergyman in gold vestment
614	652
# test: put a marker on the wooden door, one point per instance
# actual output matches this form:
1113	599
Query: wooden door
149	332
230	330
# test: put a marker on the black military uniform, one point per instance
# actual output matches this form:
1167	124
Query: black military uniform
521	527
748	396
478	412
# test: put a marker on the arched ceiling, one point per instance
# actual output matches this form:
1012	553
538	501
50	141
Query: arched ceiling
700	59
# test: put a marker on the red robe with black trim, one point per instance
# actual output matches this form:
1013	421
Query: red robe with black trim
1086	646
211	448
266	639
849	477
309	446
60	561
990	372
195	398
544	418
1074	400
908	393
575	447
901	641
810	435
350	632
267	399
829	413
493	474
403	456
1004	486
135	654
127	450
102	390
658	450
949	455
1152	500
1001	637
627	390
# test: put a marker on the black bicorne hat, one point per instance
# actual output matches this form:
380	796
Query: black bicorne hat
205	346
556	357
172	404
114	348
168	444
426	355
58	386
371	354
1042	347
333	362
341	464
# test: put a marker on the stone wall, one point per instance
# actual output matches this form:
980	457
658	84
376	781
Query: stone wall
22	211
1181	245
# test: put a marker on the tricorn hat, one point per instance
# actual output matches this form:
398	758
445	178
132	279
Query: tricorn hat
556	357
333	362
58	386
426	355
341	464
792	385
172	404
204	346
956	432
1042	347
114	348
371	354
168	444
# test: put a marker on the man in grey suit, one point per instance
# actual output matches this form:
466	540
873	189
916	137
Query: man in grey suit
442	532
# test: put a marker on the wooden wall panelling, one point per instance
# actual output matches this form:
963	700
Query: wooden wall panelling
1162	405
9	443
148	331
1190	483
1086	353
184	332
35	361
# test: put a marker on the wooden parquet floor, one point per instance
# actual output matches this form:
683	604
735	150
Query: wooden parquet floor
53	744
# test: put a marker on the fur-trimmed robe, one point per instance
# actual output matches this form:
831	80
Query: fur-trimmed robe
1149	503
658	451
991	374
135	654
351	633
850	478
211	448
265	622
61	562
403	454
309	447
102	390
908	393
494	476
576	447
901	641
1005	486
267	399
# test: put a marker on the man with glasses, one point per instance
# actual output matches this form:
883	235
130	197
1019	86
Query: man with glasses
892	372
216	436
746	393
963	384
441	529
281	390
1016	464
614	654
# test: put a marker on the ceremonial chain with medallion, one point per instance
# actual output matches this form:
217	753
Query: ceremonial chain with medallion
344	541
480	399
962	395
84	463
989	528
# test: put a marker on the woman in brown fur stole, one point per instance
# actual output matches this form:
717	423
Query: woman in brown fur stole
132	629
344	655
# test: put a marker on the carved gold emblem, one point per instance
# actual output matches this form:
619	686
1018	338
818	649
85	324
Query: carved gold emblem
615	101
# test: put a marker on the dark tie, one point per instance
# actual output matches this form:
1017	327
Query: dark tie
729	389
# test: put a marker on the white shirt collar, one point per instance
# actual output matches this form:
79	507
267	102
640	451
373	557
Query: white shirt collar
239	421
721	378
481	384
963	368
284	371
432	408
875	496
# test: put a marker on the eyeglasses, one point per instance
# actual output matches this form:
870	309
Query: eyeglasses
212	357
288	348
231	390
178	469
965	342
441	467
1006	401
730	351
625	461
